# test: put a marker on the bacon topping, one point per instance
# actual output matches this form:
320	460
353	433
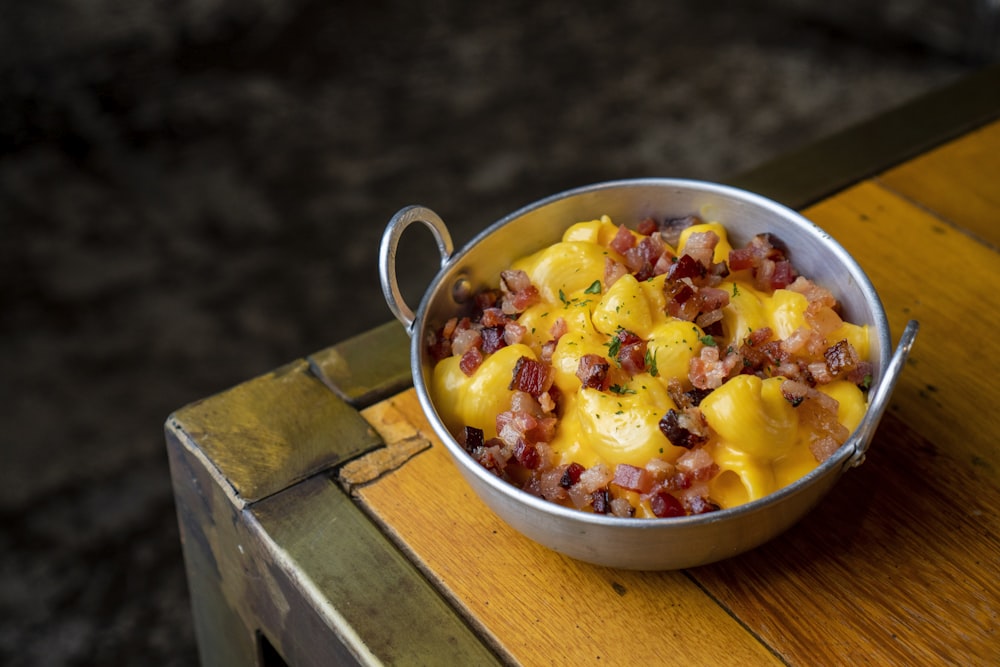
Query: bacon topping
530	376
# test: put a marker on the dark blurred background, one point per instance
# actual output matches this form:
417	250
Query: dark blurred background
192	193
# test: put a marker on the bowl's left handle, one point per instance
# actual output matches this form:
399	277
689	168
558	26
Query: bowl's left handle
387	256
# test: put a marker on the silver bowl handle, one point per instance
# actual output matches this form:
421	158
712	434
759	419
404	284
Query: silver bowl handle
880	397
387	256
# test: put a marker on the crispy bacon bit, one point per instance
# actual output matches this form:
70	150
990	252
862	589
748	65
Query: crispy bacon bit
648	227
698	464
708	370
530	376
632	478
642	258
702	505
767	260
623	241
671	229
631	354
794	392
471	361
665	505
601	501
685	429
493	317
685	399
513	332
613	270
492	339
571	475
465	339
518	292
680	300
686	266
700	247
840	358
593	371
527	455
472	438
558	328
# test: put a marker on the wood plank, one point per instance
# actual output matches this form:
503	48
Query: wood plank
537	606
959	182
897	566
925	269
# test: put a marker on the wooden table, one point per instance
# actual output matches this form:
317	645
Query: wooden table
318	528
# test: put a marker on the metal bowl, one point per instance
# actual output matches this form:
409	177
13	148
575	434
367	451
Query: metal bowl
642	544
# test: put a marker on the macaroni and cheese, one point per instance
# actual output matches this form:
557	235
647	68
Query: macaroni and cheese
651	372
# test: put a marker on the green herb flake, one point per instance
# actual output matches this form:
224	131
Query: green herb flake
595	288
651	362
708	340
562	297
621	389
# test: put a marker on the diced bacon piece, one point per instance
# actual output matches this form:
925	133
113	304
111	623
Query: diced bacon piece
472	438
623	240
493	338
571	475
665	505
698	463
558	328
592	370
648	227
841	358
471	361
783	275
518	292
742	258
686	266
700	247
631	352
632	478
708	370
531	376
684	428
464	340
671	229
513	332
613	270
493	317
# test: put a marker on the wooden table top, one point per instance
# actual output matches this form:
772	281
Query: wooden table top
899	564
346	523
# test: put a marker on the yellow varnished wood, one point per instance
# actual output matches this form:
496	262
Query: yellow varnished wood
540	607
959	182
897	566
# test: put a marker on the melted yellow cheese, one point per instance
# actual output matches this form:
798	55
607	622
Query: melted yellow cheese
757	440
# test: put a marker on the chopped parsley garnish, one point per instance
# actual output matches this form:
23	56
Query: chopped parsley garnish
595	288
708	340
651	362
621	389
562	297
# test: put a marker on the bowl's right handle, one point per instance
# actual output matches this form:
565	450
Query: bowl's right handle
387	256
880	398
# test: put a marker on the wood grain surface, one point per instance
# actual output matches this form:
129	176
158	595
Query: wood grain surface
900	562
